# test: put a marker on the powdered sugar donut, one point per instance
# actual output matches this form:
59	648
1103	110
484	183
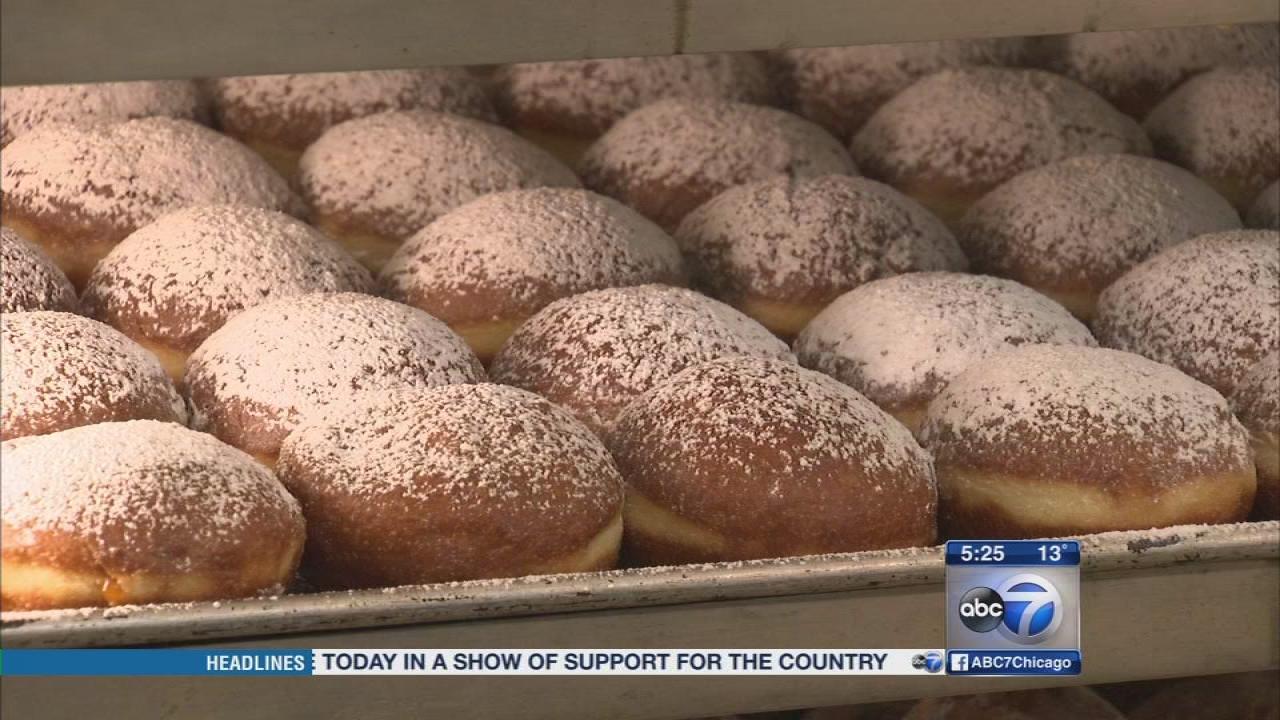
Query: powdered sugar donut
1256	402
172	283
282	363
452	483
900	340
1135	69
1069	229
669	157
565	105
376	180
594	352
25	107
840	87
29	279
280	115
952	136
1265	212
1210	306
780	250
62	371
140	512
744	458
1059	440
76	192
1222	125
489	265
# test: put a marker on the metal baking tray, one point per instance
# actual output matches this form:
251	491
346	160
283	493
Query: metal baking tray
1160	603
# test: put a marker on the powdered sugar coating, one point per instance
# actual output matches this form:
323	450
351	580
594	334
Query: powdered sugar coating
901	340
976	127
1209	306
395	172
140	496
178	279
586	97
1224	123
296	109
25	107
811	239
508	254
29	279
63	370
281	363
840	87
1256	399
1082	222
596	351
1111	418
1265	212
670	156
128	174
1134	69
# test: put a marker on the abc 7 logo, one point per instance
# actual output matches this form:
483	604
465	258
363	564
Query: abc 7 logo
1025	609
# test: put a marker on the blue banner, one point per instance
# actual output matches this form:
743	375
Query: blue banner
1013	552
175	661
1013	662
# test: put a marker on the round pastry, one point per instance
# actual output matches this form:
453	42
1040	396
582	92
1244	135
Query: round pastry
76	192
489	265
1069	229
1065	703
669	157
954	135
1238	696
1135	69
1265	212
62	371
1222	125
460	482
594	352
900	340
1209	306
780	250
24	107
1256	402
282	363
140	512
280	115
744	458
563	106
376	180
29	279
840	87
1061	440
172	283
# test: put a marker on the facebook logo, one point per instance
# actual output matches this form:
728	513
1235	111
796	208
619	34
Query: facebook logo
959	662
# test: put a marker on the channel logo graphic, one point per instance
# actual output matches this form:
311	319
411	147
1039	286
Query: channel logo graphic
1026	608
929	662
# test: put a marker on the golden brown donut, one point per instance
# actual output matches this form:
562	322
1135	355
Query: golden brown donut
1070	228
1061	440
489	265
25	107
76	192
170	284
952	136
1222	125
1065	703
29	279
62	371
1238	696
780	250
594	352
459	482
140	512
1256	402
745	458
900	340
280	115
669	157
374	181
1209	306
840	87
1265	213
564	106
1135	69
285	362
